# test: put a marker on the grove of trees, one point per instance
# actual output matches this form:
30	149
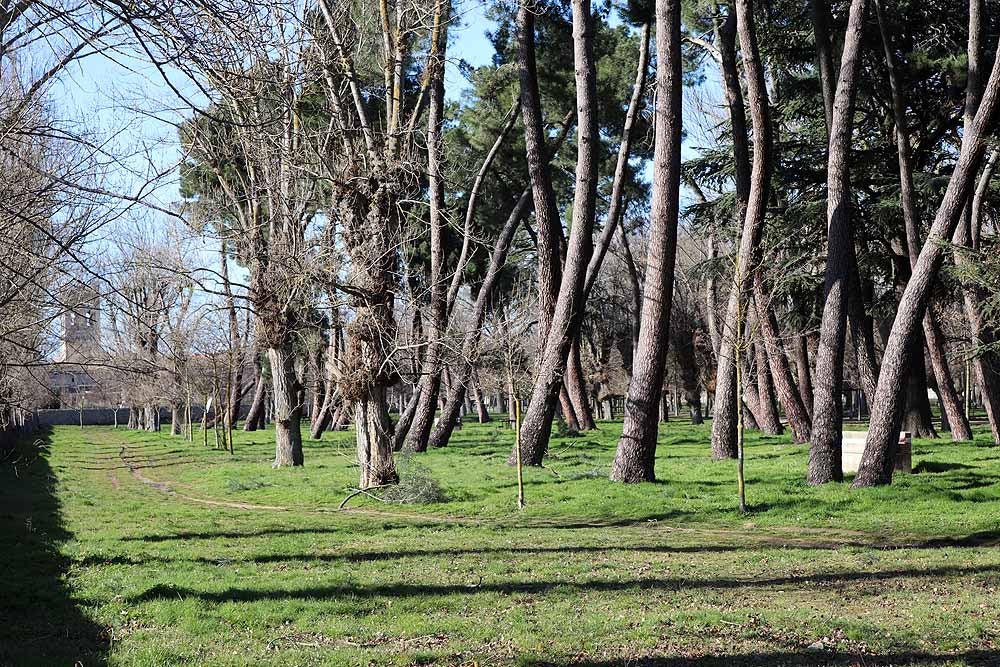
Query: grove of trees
781	214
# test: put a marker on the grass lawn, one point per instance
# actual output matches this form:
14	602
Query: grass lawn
125	548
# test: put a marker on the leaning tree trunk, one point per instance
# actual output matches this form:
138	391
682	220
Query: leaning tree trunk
887	407
950	402
635	458
549	228
287	410
537	425
473	332
825	445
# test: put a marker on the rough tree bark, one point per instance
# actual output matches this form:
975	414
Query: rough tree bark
635	457
824	448
887	407
287	409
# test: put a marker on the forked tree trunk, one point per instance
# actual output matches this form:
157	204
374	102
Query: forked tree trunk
887	407
482	414
825	445
537	425
287	410
636	454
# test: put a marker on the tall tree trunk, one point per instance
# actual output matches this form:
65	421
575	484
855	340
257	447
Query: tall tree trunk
952	406
235	379
536	429
752	188
612	222
430	382
825	445
887	408
635	457
287	409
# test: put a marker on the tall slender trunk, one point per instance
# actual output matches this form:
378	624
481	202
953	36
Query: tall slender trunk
824	449
776	360
235	379
287	409
635	457
256	410
430	381
725	405
752	191
887	408
536	428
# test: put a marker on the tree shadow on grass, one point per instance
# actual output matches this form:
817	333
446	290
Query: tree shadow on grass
40	624
787	659
847	581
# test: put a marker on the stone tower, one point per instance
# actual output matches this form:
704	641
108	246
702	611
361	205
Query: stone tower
81	326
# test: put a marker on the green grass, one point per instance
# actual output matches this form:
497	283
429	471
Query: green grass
129	548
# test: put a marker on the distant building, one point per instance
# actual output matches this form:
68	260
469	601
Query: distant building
72	378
